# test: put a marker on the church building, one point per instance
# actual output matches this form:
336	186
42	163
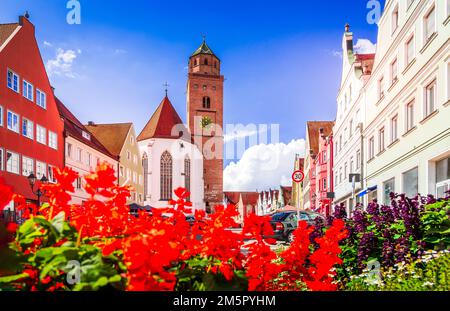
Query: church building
191	157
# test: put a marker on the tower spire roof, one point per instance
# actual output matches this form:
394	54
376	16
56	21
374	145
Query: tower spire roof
203	49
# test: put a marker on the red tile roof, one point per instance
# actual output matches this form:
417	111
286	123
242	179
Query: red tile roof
74	128
313	133
6	30
112	136
248	198
364	56
163	120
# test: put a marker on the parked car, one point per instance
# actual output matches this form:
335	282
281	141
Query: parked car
284	223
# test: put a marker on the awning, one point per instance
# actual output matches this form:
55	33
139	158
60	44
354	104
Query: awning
368	190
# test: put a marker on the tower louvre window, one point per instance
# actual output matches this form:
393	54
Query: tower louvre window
206	61
206	102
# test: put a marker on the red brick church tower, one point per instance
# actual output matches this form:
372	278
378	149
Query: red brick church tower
205	119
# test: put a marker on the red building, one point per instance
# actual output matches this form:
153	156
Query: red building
324	171
321	165
31	129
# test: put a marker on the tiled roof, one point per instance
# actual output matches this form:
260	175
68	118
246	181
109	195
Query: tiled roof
163	120
248	198
313	133
286	192
203	49
359	57
112	136
6	30
74	128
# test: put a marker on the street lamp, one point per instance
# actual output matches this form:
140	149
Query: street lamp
32	180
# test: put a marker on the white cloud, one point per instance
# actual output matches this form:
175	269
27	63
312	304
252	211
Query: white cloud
46	43
263	166
364	46
62	64
243	132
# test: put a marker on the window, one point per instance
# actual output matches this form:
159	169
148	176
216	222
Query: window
52	140
394	128
13	121
394	71
135	159
410	116
1	160
350	128
69	150
204	87
41	134
429	24
430	98
448	8
128	155
409	48
12	162
27	90
324	184
394	20
128	175
41	99
27	128
381	88
388	187
345	136
1	116
88	159
166	176
206	61
121	171
13	81
340	142
358	159
442	177
79	184
371	147
50	174
206	102
40	169
79	153
410	182
134	177
351	165
86	135
187	174
340	174
27	166
381	144
345	170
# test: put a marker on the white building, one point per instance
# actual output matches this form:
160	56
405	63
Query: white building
347	131
170	159
407	115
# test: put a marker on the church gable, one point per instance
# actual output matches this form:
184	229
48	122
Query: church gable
162	122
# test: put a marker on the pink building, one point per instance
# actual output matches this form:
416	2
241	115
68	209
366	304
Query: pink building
82	151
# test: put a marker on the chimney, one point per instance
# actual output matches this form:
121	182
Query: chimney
322	132
348	40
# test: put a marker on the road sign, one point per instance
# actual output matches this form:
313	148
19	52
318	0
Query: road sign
298	176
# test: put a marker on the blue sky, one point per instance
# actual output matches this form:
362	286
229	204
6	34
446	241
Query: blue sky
280	59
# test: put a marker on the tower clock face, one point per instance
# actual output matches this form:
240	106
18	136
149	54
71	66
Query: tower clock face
205	121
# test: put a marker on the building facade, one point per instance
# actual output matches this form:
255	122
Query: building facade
347	131
205	119
407	132
170	159
82	152
31	140
323	164
297	188
120	140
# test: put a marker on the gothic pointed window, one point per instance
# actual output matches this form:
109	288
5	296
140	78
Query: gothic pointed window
145	166
166	176
206	102
187	174
206	61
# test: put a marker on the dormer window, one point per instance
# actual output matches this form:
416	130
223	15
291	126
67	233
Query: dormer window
86	135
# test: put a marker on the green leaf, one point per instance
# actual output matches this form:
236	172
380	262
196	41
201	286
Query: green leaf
13	278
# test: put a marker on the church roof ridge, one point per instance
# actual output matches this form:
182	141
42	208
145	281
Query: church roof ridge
161	123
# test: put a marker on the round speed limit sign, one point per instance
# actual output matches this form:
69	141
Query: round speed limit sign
298	176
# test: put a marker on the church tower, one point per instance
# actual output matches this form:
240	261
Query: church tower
205	119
